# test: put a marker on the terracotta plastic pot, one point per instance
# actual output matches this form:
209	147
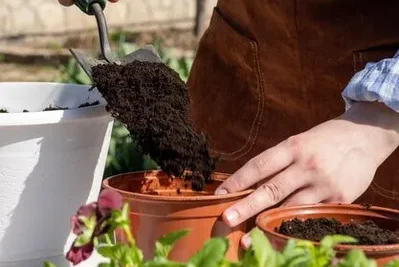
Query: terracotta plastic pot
269	220
160	205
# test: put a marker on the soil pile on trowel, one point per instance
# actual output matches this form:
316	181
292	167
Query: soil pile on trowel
153	103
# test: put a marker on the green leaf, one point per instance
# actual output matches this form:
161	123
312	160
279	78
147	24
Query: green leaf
332	241
164	264
49	264
232	264
87	233
249	258
127	256
132	257
165	244
356	258
113	263
263	250
394	263
112	252
211	254
325	252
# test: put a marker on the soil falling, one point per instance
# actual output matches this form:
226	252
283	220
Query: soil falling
153	103
366	233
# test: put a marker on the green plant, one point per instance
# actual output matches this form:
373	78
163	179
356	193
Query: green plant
95	223
72	73
124	155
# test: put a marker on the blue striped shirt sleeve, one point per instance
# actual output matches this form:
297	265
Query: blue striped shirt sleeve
376	82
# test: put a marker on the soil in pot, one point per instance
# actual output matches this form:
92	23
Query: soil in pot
49	108
86	104
153	103
314	229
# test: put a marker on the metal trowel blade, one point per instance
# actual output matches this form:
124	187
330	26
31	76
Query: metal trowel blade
146	53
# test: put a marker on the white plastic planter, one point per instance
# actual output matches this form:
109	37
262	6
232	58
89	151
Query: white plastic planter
51	162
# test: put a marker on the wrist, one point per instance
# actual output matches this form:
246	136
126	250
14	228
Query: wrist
376	127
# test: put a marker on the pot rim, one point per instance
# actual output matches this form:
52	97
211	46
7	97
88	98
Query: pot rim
52	116
354	209
148	197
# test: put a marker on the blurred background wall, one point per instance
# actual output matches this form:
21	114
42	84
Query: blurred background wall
48	17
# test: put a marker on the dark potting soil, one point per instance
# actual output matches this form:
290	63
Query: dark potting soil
87	104
366	233
153	103
49	108
6	111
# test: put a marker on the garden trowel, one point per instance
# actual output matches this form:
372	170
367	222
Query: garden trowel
96	7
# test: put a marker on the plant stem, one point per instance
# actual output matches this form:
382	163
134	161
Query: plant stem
129	235
108	240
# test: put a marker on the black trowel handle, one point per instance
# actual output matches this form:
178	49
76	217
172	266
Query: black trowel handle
96	7
85	5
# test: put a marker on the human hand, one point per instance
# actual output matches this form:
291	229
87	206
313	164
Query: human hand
70	2
332	162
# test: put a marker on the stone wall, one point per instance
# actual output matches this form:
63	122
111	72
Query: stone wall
19	17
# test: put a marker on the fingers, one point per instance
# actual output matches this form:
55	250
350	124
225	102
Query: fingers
66	2
70	2
246	241
306	196
267	195
262	166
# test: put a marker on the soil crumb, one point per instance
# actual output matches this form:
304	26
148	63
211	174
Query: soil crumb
366	233
49	108
366	205
3	111
87	104
153	103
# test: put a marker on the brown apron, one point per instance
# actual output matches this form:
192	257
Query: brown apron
269	69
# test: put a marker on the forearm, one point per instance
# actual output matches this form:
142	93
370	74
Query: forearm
378	128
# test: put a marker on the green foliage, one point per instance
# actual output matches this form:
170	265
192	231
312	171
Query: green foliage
72	73
124	154
296	253
212	254
165	244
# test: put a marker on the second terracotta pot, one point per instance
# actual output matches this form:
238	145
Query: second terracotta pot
269	220
160	205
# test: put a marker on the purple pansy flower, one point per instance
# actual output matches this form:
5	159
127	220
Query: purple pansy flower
98	212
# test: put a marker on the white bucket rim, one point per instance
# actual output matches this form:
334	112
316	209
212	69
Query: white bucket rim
52	116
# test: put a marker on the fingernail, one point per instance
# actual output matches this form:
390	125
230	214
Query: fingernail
232	216
221	191
246	241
